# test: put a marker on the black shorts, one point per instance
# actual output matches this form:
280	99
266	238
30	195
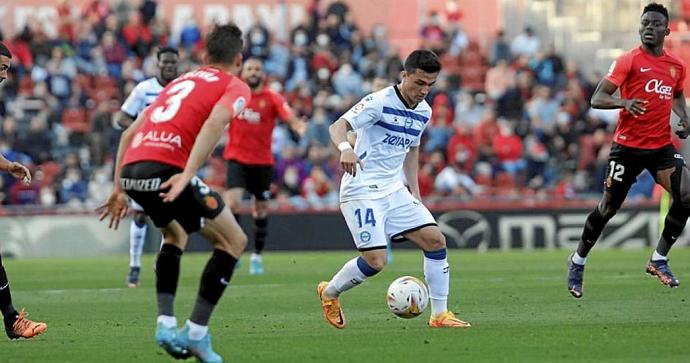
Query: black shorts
141	182
626	163
256	179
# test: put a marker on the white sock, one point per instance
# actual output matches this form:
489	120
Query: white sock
167	321
196	331
657	257
137	237
578	259
348	277
255	257
437	275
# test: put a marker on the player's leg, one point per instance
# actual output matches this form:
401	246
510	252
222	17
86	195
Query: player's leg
137	238
236	183
228	241
676	180
167	277
260	181
365	220
621	174
16	323
410	219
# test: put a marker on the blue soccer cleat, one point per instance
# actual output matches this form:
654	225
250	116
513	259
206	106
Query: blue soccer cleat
166	337
256	265
201	349
662	271
575	277
133	277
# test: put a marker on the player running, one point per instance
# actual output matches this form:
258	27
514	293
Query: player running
651	85
248	153
17	325
373	199
143	94
157	161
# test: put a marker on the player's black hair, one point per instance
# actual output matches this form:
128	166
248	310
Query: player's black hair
5	51
656	8
224	43
423	59
166	50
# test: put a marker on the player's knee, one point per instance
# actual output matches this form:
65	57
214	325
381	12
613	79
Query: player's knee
607	210
685	198
240	240
376	261
139	218
436	241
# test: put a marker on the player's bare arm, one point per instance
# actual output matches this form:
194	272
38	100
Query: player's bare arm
17	170
680	109
348	159
208	137
122	120
603	99
410	168
297	125
116	206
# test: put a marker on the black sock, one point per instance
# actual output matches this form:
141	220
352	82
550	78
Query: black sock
9	313
673	226
214	279
167	275
593	227
260	231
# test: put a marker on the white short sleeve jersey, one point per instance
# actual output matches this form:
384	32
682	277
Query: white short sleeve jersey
143	94
386	129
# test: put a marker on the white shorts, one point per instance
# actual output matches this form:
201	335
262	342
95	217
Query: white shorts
373	222
135	206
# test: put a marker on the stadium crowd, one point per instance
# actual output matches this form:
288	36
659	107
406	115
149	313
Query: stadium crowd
509	120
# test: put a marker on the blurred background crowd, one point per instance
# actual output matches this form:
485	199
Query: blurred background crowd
511	119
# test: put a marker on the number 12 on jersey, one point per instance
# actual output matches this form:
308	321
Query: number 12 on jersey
368	217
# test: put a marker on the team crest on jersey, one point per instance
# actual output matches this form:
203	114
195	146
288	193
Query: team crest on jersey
262	104
238	106
672	71
408	123
365	236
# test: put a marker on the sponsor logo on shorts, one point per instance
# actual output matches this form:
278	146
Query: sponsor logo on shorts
365	236
141	185
266	194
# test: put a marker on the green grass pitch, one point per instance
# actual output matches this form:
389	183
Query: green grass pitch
517	302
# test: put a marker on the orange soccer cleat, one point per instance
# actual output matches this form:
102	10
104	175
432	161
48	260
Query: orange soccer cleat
331	307
25	328
447	320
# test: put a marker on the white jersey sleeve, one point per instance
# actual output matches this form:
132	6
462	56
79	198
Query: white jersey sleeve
365	113
135	102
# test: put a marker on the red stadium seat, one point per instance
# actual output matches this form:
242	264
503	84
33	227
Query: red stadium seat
75	119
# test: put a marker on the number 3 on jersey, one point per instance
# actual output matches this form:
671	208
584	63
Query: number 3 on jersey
174	95
368	217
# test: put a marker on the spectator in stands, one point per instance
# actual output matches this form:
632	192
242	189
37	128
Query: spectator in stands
317	131
499	79
318	190
347	82
432	34
453	180
526	43
258	42
500	50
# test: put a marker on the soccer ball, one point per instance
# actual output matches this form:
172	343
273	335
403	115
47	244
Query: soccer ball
407	297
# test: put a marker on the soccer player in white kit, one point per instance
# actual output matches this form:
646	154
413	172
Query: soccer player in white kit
373	199
143	94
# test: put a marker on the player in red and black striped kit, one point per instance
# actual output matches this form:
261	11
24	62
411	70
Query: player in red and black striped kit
16	323
157	163
650	81
248	152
